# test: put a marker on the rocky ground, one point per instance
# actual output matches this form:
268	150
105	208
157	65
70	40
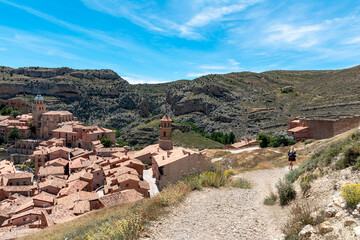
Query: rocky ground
340	222
226	213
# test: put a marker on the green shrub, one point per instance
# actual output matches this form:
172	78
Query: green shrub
286	191
287	90
278	139
351	194
14	134
106	142
264	140
241	183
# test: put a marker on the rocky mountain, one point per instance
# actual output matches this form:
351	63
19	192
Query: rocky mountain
243	102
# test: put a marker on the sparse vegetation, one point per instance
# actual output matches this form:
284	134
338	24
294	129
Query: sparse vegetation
271	199
286	191
197	181
224	138
305	182
121	143
300	217
241	183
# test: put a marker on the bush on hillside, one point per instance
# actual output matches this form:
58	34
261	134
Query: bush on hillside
281	139
264	140
350	158
286	191
278	139
351	194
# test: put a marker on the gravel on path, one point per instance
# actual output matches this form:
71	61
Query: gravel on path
226	213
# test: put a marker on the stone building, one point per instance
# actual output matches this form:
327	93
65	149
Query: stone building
165	141
79	135
312	128
44	121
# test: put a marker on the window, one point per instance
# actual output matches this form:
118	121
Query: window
24	182
127	185
164	134
97	174
17	184
161	170
24	219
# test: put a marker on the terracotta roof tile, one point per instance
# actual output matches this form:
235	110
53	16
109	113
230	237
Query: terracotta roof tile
130	195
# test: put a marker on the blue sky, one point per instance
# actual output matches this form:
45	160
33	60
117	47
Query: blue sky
157	41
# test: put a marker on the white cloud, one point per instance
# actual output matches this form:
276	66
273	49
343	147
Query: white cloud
185	22
352	40
231	65
139	79
289	34
2	49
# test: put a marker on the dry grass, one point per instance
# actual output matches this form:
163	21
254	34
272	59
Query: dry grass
259	159
300	217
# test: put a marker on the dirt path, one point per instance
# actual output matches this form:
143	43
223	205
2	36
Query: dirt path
226	213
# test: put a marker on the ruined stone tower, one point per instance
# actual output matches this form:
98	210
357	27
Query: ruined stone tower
38	108
165	141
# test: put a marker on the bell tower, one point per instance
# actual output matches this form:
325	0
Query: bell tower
165	141
38	108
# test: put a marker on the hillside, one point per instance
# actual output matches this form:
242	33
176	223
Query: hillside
243	102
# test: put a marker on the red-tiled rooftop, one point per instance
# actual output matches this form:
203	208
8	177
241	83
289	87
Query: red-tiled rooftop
130	195
58	161
73	187
166	118
45	197
298	129
18	175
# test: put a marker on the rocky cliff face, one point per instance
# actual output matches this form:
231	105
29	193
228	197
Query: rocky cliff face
245	102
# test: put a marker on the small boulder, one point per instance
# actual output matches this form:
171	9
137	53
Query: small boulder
330	212
325	227
349	222
355	213
306	232
338	201
358	207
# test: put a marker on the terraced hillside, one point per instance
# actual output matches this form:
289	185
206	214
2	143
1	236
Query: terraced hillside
244	102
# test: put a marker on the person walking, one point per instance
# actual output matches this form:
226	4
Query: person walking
292	157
